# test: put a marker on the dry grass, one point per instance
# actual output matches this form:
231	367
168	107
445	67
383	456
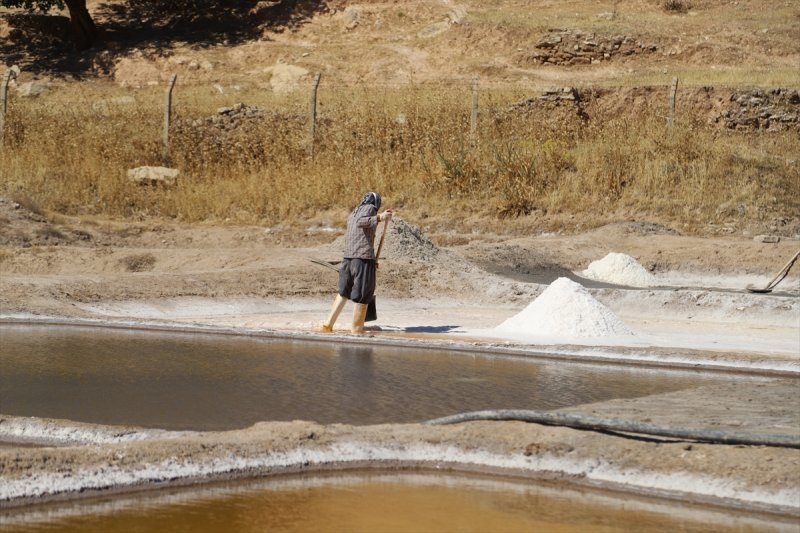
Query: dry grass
69	154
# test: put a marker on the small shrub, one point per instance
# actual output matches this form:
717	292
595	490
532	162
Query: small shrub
138	262
458	172
49	233
676	6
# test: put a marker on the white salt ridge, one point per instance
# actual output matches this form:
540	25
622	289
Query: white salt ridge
565	308
98	477
620	269
39	430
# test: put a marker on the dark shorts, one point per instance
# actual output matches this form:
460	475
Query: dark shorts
357	280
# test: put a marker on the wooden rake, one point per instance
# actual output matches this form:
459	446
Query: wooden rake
777	279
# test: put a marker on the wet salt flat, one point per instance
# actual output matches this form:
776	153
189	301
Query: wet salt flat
217	382
385	502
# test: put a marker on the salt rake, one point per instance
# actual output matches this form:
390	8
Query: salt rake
326	264
777	279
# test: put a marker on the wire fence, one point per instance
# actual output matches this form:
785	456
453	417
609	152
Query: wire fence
471	90
757	109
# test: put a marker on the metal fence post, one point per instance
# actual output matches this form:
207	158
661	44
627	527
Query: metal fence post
167	116
312	118
473	117
672	95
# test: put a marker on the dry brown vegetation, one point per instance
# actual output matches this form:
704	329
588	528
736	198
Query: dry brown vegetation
413	144
528	164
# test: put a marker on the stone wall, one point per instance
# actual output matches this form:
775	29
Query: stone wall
776	109
763	109
574	47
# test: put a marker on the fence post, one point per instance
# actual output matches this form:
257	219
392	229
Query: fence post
312	115
10	73
672	95
167	116
473	117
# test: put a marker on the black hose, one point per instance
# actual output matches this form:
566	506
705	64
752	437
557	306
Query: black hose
577	421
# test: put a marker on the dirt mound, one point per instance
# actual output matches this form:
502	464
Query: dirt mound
228	118
561	108
233	131
24	226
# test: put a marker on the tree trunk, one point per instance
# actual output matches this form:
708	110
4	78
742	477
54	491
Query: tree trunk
84	32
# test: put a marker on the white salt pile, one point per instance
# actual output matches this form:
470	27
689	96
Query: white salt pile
565	308
619	269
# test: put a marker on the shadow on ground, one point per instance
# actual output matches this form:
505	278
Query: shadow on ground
42	43
430	329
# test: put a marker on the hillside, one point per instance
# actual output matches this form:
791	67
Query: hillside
554	79
534	43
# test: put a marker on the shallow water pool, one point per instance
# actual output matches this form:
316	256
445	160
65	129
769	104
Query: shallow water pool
195	381
381	502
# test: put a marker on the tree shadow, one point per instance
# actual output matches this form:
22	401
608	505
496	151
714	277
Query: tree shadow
39	43
42	43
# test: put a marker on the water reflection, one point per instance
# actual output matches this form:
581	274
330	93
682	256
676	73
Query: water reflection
379	502
218	382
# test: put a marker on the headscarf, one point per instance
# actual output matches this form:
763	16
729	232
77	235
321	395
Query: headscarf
372	198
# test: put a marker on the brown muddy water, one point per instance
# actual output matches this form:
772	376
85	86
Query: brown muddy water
382	502
218	382
190	381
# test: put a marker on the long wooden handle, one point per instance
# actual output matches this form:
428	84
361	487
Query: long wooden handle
380	243
785	270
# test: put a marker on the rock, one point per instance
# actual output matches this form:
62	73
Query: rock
457	15
153	176
33	88
286	78
563	93
351	16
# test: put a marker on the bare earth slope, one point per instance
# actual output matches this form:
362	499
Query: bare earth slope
539	44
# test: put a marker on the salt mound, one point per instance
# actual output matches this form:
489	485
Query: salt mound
407	241
620	269
403	240
565	308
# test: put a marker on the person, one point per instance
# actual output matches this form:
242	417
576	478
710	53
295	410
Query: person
357	273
